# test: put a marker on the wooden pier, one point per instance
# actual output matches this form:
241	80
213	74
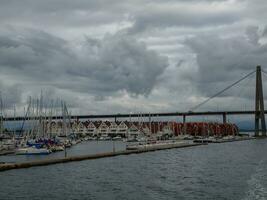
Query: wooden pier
9	166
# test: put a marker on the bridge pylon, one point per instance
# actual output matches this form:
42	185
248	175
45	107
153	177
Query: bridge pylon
259	105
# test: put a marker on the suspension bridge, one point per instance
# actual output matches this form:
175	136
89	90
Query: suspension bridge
259	111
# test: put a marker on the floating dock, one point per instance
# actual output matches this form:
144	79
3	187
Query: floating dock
233	140
6	152
222	140
9	166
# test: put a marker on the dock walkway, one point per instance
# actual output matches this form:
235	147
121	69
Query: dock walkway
9	166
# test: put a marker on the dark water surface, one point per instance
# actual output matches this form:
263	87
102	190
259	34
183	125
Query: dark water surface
236	170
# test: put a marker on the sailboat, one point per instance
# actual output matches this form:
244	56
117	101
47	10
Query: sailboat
32	147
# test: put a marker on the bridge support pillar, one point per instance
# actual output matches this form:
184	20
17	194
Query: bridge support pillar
224	118
259	105
184	118
184	124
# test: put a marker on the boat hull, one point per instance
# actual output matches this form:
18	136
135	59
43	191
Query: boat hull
32	151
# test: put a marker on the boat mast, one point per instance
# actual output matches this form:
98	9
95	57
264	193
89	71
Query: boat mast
63	119
150	128
14	129
1	114
69	119
50	119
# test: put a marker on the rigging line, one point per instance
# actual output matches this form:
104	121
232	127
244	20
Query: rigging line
220	92
241	94
264	77
264	71
264	74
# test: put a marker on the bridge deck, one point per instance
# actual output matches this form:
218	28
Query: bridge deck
169	114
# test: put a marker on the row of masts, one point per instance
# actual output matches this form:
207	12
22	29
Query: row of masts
38	117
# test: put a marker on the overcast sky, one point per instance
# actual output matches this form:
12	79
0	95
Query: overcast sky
111	56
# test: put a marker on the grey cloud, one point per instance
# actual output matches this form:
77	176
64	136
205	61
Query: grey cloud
169	16
253	34
144	14
120	63
58	13
101	67
264	33
86	70
34	54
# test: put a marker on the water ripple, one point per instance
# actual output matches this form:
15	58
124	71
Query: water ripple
217	171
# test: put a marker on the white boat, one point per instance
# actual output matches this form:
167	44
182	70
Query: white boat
73	142
141	139
228	137
104	138
88	138
8	144
131	139
185	137
67	143
117	138
57	148
32	151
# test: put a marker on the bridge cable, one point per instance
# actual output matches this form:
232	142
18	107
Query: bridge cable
264	76
220	92
264	72
241	93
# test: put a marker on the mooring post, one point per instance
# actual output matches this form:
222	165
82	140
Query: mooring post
259	105
65	151
113	146
150	128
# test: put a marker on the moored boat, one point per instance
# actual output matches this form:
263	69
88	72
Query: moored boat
105	138
32	151
117	138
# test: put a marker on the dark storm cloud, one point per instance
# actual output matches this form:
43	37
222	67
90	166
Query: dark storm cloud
122	63
144	14
115	63
10	94
33	55
222	60
265	31
54	14
90	54
181	16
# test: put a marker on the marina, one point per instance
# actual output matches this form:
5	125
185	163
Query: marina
39	134
44	140
133	100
